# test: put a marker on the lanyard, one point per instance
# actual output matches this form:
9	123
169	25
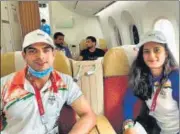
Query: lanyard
39	99
153	105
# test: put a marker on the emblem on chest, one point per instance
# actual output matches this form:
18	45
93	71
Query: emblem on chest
165	89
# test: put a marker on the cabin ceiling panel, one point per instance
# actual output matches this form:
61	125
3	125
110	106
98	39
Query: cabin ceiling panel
69	4
85	7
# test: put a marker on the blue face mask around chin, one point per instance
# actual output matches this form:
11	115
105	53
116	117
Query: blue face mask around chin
40	74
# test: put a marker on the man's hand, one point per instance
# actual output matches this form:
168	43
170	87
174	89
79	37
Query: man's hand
87	117
80	58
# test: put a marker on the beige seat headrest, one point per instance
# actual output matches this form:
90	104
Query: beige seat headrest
117	61
13	61
102	44
82	45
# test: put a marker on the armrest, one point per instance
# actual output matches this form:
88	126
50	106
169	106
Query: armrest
102	126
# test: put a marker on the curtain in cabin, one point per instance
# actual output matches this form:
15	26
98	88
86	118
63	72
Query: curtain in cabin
29	16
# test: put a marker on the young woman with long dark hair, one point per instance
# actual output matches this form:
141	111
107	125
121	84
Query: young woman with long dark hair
154	79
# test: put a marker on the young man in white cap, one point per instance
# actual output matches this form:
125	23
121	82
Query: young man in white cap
32	98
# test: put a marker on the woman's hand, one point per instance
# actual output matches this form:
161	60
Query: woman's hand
130	131
128	127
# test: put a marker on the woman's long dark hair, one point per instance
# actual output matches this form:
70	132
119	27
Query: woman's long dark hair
140	79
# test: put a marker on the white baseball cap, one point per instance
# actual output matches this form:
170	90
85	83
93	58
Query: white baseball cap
152	36
37	36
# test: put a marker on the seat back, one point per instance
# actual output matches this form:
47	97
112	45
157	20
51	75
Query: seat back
82	45
90	80
13	61
117	62
103	44
65	44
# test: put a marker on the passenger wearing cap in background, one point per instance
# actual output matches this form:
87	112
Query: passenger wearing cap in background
59	43
31	99
154	79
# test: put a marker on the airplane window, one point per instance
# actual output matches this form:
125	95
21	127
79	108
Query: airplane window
135	34
115	34
166	27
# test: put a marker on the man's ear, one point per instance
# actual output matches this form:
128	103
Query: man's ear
23	55
54	52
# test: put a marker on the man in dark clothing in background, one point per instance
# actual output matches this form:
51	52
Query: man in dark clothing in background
91	53
59	42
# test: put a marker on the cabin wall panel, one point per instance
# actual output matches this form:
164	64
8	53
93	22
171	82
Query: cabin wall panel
116	11
83	25
8	41
11	38
4	11
144	14
3	46
15	24
169	11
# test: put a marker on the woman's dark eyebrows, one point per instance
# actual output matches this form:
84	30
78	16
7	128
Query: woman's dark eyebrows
157	47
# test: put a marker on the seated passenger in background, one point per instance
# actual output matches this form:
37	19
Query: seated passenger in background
154	78
59	42
91	53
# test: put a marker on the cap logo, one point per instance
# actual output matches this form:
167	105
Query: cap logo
151	34
40	34
48	40
158	37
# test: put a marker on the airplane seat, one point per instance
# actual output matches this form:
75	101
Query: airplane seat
13	61
103	45
82	45
65	44
116	64
89	77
